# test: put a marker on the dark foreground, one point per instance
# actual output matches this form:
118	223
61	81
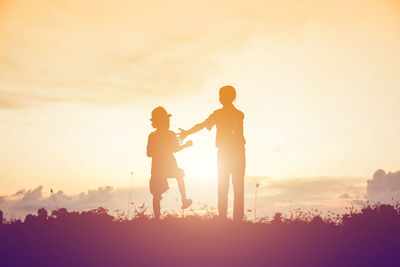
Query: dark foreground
367	238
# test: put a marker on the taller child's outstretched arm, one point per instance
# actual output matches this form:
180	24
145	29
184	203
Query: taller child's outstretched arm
183	134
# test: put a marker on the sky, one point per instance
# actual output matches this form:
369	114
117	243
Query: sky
318	82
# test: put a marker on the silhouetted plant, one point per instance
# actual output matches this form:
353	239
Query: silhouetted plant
42	214
357	235
59	213
360	230
255	202
120	215
140	212
277	218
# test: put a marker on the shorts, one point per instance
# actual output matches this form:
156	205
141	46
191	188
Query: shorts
159	175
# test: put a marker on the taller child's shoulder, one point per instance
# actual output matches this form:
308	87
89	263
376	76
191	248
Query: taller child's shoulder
239	112
224	111
152	134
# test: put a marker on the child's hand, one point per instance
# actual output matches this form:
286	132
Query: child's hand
189	143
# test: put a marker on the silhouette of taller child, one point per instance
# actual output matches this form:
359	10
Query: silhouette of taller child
231	150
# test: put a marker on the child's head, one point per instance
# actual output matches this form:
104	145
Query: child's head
227	94
160	118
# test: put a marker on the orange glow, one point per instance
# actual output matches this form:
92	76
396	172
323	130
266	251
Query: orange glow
317	80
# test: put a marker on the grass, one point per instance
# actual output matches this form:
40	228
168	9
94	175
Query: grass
368	237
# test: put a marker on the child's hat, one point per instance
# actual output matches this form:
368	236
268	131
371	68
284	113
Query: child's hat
158	113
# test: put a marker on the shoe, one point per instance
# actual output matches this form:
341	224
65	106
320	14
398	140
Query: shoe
186	203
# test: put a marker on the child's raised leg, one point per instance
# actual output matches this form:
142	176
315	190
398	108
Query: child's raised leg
186	202
181	186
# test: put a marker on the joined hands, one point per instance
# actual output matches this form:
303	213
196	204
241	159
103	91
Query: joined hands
182	136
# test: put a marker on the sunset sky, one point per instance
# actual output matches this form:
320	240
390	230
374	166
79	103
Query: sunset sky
318	81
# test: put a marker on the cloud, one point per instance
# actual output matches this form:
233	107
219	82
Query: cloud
20	192
134	56
115	53
10	104
384	187
32	195
345	196
324	193
19	100
311	187
103	194
29	201
273	195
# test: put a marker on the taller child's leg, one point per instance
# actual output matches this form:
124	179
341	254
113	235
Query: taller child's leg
223	184
238	185
238	191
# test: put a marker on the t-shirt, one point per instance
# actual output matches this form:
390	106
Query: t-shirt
229	123
160	146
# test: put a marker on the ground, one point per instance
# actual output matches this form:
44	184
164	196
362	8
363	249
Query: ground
370	237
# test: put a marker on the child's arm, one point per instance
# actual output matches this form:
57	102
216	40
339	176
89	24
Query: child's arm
187	144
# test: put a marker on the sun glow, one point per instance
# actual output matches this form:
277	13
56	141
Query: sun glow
76	115
199	161
201	167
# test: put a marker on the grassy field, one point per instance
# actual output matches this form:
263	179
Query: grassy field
369	237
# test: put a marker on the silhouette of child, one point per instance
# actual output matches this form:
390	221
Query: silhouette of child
230	142
162	143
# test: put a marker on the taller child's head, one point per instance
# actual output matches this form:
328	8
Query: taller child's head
227	94
160	118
